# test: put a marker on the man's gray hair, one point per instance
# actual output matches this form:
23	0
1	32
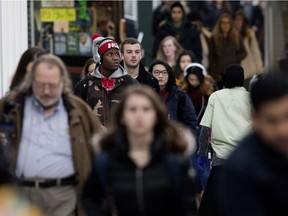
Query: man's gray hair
26	85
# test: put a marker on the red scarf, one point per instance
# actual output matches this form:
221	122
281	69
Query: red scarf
164	95
108	83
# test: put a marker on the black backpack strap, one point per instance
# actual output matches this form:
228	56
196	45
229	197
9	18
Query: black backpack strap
181	105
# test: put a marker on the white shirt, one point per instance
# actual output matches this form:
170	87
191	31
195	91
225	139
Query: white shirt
228	114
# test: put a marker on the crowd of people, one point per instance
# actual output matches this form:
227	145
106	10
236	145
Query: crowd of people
219	33
190	135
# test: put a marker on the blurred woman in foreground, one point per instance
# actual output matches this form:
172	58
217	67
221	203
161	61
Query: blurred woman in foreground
142	168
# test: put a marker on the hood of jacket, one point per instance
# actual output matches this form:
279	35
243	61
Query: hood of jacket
187	134
120	72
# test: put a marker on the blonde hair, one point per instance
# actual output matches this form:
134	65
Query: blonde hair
233	33
26	85
160	54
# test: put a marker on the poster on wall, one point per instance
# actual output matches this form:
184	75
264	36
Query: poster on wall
72	43
61	26
60	44
85	44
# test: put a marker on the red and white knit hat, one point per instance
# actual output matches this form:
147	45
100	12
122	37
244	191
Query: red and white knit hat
101	45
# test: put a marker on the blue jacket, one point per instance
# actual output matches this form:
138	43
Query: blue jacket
188	115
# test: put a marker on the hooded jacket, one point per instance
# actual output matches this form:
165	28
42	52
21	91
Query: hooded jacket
100	100
134	191
82	126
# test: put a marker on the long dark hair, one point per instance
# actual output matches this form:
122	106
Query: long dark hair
245	27
233	34
86	67
165	129
171	77
177	69
28	56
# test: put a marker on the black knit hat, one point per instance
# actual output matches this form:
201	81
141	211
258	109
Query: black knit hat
234	76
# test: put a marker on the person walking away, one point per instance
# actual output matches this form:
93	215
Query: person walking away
227	120
52	151
131	50
103	89
141	166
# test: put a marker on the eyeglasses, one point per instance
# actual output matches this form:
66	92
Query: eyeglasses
42	86
157	73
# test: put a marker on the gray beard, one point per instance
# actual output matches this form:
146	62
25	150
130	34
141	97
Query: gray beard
46	107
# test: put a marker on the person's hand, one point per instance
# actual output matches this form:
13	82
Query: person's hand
202	162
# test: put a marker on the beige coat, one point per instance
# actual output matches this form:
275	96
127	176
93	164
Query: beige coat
252	63
83	125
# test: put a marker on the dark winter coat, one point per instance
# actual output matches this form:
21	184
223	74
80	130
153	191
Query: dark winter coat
255	180
187	114
188	37
134	191
146	78
99	99
223	55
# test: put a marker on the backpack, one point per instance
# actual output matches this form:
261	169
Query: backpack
173	161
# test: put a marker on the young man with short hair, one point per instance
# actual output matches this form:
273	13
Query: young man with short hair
103	89
131	50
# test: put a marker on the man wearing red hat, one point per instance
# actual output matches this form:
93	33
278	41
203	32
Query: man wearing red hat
109	79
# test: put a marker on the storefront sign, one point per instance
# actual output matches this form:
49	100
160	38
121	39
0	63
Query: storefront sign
57	14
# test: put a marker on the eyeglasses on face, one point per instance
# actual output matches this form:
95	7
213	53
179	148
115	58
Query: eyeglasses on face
42	86
158	72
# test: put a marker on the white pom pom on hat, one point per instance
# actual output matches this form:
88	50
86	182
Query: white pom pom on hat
195	65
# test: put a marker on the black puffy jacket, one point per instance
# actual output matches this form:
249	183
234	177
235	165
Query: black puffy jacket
137	192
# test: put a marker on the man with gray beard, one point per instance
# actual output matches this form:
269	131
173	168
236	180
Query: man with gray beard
52	153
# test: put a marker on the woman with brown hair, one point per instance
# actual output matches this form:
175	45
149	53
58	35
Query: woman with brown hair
227	48
169	50
25	65
88	67
252	63
198	85
142	167
185	58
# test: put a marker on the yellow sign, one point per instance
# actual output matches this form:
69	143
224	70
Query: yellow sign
57	14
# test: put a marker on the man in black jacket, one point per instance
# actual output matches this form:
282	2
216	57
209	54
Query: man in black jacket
255	176
131	50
